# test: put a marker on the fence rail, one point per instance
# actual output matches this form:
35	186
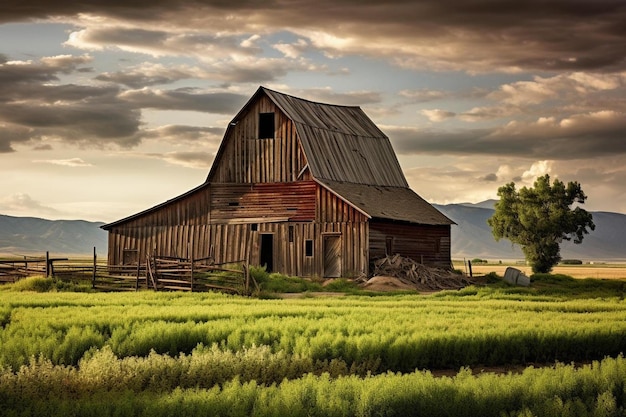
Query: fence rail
159	273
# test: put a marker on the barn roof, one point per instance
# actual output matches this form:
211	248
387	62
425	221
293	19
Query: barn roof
389	203
348	154
341	143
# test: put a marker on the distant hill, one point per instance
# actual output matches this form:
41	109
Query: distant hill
472	238
29	236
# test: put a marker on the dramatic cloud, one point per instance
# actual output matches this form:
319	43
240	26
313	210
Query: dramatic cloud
578	136
185	99
186	134
160	43
437	115
198	160
423	95
73	162
20	203
568	86
475	36
31	108
149	74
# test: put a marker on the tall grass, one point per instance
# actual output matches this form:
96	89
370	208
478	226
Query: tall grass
102	387
152	353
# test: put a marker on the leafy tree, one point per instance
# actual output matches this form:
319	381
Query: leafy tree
540	218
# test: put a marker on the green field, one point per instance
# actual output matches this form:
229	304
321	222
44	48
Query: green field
556	349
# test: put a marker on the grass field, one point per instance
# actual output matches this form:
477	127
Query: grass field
170	354
596	270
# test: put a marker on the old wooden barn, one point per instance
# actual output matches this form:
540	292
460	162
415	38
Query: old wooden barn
306	188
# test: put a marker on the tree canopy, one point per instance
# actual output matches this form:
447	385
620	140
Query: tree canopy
540	218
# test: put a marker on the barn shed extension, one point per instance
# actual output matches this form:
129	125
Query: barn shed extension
305	188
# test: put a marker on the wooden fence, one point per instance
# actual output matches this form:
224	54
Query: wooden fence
158	273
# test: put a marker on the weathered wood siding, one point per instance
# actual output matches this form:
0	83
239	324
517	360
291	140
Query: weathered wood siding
422	243
225	221
247	159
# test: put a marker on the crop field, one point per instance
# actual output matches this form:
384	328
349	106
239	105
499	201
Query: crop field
595	270
557	347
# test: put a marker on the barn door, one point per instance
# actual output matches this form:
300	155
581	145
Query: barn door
267	252
332	256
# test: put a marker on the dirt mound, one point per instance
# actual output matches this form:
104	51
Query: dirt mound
383	284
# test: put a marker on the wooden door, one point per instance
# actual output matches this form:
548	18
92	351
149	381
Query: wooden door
267	252
332	256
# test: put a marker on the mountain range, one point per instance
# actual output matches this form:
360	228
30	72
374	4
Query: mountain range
471	236
34	236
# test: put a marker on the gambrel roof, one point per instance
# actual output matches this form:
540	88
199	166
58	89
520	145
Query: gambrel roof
341	143
349	155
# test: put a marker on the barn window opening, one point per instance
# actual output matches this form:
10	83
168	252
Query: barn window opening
308	248
254	227
389	246
290	234
266	125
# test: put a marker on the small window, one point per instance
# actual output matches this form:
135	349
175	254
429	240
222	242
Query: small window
233	204
290	234
389	245
266	125
308	248
254	227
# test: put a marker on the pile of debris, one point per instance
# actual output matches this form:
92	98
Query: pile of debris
415	275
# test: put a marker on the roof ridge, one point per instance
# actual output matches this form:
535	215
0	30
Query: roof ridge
307	100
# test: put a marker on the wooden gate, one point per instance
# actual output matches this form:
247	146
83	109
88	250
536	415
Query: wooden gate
332	256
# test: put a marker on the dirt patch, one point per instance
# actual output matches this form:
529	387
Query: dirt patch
317	294
385	284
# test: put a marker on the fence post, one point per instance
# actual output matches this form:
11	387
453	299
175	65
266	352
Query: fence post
190	253
47	264
138	268
93	277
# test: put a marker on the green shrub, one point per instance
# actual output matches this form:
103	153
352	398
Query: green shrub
342	285
259	273
492	278
571	262
34	283
280	283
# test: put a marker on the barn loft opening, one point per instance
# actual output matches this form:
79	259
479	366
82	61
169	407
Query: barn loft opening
266	125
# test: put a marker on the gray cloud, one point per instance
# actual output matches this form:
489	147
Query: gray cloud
576	137
178	133
326	95
189	159
20	201
478	35
145	76
185	99
72	162
32	108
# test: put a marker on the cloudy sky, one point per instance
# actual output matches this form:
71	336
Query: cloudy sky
108	107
